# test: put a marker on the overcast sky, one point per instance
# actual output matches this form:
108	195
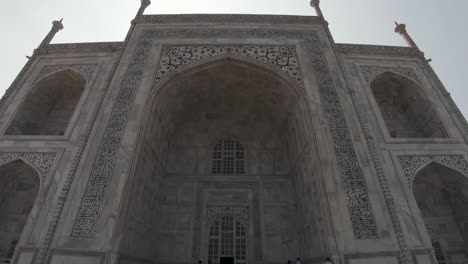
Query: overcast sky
438	27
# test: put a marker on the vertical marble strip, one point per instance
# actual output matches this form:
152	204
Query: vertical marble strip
93	201
376	156
359	206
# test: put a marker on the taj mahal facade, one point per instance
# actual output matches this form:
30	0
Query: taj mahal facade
231	139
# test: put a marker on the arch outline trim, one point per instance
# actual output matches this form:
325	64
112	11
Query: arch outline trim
84	70
413	164
40	162
281	58
371	72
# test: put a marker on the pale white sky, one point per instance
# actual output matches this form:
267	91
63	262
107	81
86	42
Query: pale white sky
438	27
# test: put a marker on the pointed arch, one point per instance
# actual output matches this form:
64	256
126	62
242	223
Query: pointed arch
19	186
49	105
406	110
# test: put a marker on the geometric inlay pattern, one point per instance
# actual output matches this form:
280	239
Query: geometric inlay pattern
284	58
412	163
369	72
94	198
42	161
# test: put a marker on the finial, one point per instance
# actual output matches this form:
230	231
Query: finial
56	27
401	29
316	5
57	24
143	6
145	3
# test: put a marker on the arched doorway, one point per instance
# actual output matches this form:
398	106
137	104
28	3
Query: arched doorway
442	196
406	110
225	134
49	105
227	238
19	185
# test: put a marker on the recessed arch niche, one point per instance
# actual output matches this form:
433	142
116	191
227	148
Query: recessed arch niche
173	183
49	105
19	186
442	197
405	109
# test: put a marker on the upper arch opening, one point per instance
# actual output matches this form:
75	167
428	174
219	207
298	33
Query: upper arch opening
406	110
49	105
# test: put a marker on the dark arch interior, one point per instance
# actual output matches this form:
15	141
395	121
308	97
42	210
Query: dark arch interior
406	110
19	184
49	105
442	197
228	99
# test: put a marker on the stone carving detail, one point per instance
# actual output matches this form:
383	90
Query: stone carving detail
355	187
112	46
377	50
228	18
411	164
95	194
283	58
86	69
240	212
370	72
42	161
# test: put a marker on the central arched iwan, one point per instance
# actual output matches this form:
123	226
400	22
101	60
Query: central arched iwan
230	112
